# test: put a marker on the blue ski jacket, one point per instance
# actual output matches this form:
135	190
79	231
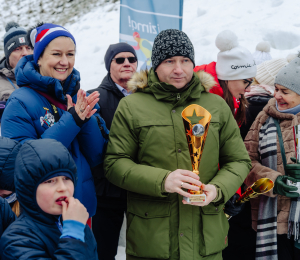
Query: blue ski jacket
29	115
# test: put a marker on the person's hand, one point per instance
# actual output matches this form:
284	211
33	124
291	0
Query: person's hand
283	189
232	208
210	192
84	105
182	179
73	209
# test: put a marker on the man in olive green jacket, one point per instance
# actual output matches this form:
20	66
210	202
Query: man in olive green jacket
148	155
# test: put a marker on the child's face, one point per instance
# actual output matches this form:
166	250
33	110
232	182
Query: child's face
50	193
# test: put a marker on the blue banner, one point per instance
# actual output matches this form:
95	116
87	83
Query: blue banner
142	20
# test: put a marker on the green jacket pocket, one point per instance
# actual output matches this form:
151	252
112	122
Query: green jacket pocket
214	230
148	228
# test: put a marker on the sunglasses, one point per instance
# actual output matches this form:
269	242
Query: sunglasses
122	60
249	82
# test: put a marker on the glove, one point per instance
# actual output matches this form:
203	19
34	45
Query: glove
232	208
293	170
283	189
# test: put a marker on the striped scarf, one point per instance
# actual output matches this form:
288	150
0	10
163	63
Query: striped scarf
266	240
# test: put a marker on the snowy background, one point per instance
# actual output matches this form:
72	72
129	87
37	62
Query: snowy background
95	25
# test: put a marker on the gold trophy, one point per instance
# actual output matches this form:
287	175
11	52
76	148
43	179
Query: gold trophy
259	187
196	120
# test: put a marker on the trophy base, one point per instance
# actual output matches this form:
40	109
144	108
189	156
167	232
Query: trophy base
196	198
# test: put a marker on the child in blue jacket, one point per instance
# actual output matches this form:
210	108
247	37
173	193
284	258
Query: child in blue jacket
8	153
53	223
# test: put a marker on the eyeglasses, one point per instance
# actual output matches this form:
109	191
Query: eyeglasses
249	82
122	60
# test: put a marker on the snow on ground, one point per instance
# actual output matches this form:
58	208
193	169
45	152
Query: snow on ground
253	21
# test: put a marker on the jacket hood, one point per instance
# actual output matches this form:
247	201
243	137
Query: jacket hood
139	80
5	70
271	110
27	74
8	152
36	160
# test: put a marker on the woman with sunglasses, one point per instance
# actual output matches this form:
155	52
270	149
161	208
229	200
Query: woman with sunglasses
50	104
234	72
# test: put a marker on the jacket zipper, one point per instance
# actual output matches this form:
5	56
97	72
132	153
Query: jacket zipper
178	96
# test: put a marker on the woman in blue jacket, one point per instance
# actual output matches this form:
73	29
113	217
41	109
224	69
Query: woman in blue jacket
50	104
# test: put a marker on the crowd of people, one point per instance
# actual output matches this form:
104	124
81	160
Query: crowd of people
73	163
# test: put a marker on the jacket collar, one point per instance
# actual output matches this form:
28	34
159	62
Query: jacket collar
27	74
272	111
6	70
108	84
148	82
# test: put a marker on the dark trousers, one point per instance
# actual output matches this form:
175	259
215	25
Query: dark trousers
106	226
241	237
286	249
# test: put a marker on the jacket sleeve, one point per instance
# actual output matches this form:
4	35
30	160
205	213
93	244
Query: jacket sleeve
92	142
258	170
25	245
233	158
17	124
119	164
7	215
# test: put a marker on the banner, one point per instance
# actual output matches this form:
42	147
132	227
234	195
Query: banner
142	20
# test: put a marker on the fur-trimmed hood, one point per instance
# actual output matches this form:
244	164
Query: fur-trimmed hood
139	80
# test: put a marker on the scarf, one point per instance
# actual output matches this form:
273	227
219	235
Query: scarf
266	240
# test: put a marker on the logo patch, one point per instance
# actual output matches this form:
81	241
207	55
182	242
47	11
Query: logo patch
47	119
22	39
12	44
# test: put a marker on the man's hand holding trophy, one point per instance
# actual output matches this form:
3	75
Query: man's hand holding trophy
196	121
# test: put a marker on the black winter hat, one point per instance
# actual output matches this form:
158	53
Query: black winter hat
8	152
170	43
114	49
14	37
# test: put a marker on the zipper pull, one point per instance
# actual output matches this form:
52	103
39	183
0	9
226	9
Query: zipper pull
178	96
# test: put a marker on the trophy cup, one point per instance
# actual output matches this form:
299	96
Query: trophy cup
196	121
259	187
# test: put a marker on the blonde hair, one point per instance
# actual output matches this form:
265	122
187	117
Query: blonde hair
16	208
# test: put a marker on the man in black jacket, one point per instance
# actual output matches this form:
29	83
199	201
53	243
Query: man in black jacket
121	63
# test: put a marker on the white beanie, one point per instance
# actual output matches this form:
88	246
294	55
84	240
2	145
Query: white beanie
234	62
262	52
267	71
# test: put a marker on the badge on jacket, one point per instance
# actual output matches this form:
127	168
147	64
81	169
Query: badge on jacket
47	119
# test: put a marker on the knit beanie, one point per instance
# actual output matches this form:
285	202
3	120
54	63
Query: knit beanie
114	49
234	62
262	52
170	43
289	75
267	71
14	37
41	36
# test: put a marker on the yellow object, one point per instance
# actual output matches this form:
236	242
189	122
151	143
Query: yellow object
195	117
